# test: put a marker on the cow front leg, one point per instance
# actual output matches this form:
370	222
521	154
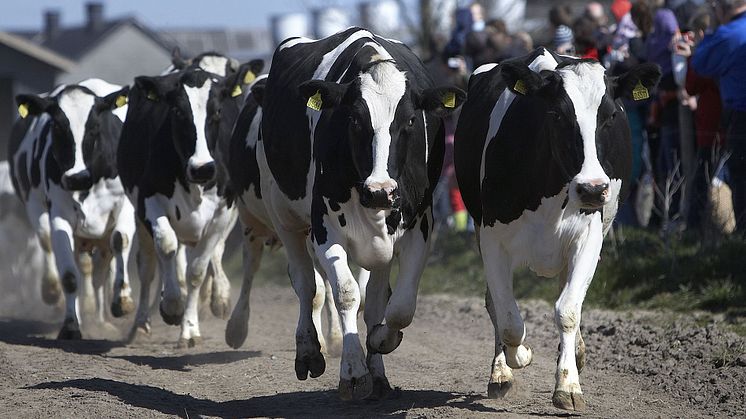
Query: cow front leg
579	342
355	381
378	292
581	267
238	325
146	266
384	338
501	376
334	343
499	274
121	244
63	245
220	299
166	247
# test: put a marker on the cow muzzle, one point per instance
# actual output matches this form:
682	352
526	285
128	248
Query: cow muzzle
201	174
380	195
594	194
78	181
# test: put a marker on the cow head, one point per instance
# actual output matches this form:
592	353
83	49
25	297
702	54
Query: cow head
384	118
583	120
202	107
84	130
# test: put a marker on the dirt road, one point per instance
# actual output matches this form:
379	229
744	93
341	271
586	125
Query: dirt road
639	365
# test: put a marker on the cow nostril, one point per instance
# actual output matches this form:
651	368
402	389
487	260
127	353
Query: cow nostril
202	173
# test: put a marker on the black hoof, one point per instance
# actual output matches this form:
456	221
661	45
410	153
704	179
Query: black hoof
356	388
122	307
381	389
69	334
498	390
177	314
189	343
236	332
314	366
139	333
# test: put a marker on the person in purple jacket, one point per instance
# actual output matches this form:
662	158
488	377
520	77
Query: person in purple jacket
722	56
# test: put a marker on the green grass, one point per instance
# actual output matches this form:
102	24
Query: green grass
639	271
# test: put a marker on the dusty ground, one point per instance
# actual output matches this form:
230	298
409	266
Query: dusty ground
639	365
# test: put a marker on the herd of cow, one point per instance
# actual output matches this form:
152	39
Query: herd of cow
334	154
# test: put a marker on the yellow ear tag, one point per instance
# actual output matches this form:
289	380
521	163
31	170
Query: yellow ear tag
152	96
121	101
249	77
520	87
23	110
236	91
449	100
640	92
314	102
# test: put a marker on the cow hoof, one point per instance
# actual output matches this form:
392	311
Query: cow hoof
499	390
381	389
172	311
69	334
568	401
314	365
189	343
51	292
236	332
356	388
139	333
220	308
122	306
384	345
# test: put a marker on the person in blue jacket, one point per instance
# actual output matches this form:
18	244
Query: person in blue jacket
722	56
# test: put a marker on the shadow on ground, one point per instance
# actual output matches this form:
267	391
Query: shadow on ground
183	362
295	404
27	333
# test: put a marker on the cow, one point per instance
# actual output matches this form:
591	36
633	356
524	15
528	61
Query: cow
237	157
351	148
543	158
169	173
64	170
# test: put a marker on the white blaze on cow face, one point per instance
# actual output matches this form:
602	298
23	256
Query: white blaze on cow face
585	85
76	104
382	87
198	97
214	64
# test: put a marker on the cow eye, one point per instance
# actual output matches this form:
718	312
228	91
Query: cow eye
410	123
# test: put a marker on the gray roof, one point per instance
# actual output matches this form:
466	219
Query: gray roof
241	44
75	42
35	51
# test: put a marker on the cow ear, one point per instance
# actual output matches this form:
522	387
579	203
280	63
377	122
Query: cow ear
257	91
246	74
322	94
151	87
442	100
33	105
177	61
520	79
636	83
113	100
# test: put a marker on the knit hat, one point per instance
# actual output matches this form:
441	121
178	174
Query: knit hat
563	36
620	8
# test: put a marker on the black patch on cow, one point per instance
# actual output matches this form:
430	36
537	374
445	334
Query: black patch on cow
178	213
318	211
424	228
38	148
342	221
23	180
567	199
334	206
242	167
393	221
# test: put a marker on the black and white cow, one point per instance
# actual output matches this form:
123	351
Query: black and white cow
168	171
543	156
352	146
63	164
238	156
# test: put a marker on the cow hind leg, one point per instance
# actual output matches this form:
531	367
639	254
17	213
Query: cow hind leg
238	325
122	303
220	300
51	291
317	307
501	375
581	267
377	297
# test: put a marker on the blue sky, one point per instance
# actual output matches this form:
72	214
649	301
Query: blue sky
27	14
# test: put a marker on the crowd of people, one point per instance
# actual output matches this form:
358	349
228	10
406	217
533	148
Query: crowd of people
689	138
